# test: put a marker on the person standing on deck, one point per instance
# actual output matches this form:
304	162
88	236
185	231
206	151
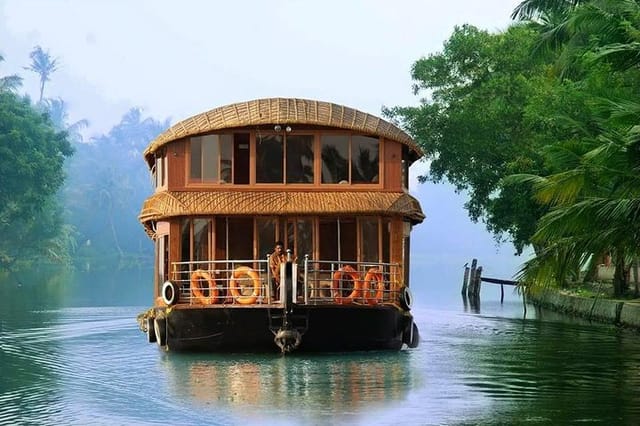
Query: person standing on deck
275	259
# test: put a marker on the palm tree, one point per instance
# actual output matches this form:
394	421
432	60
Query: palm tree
57	111
587	30
10	82
42	64
595	208
529	10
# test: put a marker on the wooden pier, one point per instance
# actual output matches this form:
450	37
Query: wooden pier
472	282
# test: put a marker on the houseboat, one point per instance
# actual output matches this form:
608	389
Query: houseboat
328	183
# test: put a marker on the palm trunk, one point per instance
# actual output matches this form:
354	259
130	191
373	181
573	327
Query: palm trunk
620	282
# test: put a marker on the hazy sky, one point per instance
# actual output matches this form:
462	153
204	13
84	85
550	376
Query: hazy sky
178	58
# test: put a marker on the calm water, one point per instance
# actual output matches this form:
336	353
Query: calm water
71	353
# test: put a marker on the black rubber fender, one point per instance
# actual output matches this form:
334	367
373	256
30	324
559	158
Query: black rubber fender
170	293
160	328
151	331
414	341
406	299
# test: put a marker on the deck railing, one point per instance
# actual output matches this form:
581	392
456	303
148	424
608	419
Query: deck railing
250	282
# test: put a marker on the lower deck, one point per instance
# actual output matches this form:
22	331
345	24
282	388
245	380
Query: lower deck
321	328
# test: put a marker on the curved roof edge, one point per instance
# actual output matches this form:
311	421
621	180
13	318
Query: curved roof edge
282	111
167	204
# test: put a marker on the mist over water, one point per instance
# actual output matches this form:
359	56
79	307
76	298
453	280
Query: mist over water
71	353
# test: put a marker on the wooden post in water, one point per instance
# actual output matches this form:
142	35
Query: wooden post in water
472	277
501	293
465	280
476	290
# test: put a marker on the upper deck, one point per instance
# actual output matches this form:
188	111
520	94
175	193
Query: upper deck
281	156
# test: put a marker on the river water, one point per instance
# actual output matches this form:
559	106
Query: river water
71	353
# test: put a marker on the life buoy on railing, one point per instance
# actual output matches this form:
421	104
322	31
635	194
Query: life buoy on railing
234	286
337	288
197	291
374	276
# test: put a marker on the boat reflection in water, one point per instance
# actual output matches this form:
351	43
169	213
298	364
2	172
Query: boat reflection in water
316	386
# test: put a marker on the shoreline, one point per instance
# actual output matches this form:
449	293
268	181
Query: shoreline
624	313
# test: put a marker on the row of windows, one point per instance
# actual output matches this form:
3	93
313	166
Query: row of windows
285	158
365	239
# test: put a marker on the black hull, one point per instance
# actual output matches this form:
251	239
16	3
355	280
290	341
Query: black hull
323	328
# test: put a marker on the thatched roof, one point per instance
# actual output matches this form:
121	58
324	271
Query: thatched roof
166	204
282	111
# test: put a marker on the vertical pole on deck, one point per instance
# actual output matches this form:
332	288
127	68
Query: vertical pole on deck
305	285
501	293
269	289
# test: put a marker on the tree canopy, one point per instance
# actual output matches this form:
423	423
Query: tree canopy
32	154
479	121
539	124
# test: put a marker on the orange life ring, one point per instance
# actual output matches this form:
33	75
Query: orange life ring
198	291
357	284
374	275
234	286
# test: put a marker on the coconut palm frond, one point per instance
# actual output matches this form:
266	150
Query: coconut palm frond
566	155
532	9
523	179
561	188
554	265
10	83
614	48
620	108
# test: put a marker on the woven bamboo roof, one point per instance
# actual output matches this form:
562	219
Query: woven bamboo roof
282	111
166	204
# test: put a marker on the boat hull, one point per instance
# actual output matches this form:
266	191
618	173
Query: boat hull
323	328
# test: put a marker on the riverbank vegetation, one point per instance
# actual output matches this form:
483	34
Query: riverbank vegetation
65	200
539	124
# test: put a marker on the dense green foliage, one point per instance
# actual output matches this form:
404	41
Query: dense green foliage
595	194
486	116
547	108
32	154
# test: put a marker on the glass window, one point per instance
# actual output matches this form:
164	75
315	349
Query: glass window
328	241
364	159
386	240
240	239
300	237
159	171
201	240
369	239
335	158
266	236
348	240
241	158
221	238
299	158
304	239
212	158
226	158
196	158
269	159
